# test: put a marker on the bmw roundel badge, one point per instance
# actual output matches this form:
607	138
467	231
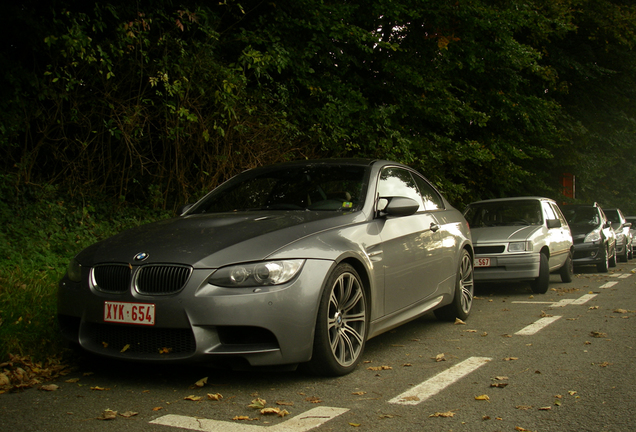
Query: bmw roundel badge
141	256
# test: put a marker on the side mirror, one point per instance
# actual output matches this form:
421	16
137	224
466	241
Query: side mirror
607	224
399	206
553	223
184	208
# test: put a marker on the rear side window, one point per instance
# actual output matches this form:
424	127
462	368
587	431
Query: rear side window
432	200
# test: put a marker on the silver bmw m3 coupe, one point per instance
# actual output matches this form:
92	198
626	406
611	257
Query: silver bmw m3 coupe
297	263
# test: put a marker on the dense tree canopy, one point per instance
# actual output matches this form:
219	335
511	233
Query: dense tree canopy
156	102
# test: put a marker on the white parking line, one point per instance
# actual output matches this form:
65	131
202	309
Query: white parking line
536	326
625	276
608	285
434	385
583	299
301	423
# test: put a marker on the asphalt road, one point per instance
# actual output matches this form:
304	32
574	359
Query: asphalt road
562	361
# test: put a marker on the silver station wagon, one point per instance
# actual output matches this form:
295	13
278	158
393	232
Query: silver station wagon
299	263
521	238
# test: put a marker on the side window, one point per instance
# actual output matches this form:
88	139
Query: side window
432	200
549	212
398	182
557	211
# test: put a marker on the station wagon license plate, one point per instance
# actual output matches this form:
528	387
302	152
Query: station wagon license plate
129	313
482	262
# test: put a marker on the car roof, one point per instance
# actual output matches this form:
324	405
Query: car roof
520	198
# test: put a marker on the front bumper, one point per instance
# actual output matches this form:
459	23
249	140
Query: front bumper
588	253
263	326
509	267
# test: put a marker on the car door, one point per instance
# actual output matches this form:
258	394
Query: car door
411	245
559	238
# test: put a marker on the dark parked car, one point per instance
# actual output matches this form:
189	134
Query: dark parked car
520	238
621	228
594	238
299	263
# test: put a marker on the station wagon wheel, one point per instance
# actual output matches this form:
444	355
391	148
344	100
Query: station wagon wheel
542	282
464	291
341	326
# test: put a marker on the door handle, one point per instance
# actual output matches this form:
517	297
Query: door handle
434	226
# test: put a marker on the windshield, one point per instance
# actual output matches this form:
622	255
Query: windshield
581	215
518	212
321	187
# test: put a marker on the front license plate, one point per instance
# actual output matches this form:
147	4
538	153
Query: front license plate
129	313
482	262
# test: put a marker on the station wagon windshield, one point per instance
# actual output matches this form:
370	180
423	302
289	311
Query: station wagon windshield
514	212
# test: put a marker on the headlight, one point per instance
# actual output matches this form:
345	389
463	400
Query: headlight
256	274
593	236
74	271
519	246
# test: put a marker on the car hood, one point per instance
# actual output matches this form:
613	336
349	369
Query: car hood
214	240
505	233
581	230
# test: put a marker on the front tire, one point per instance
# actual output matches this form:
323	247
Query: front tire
464	292
603	267
612	260
540	285
341	325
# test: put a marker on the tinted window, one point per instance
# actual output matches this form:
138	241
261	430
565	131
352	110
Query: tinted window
432	200
306	187
398	182
582	215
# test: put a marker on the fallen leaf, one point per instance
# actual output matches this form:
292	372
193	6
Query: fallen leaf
524	407
241	418
108	414
284	403
572	392
157	408
313	399
443	414
605	364
129	414
482	397
377	368
354	424
470	331
548	408
98	388
258	403
500	385
125	348
511	358
519	428
407	365
193	398
440	357
201	382
545	315
459	322
215	396
72	380
620	311
501	378
165	350
593	307
49	387
283	413
266	411
598	334
359	393
410	398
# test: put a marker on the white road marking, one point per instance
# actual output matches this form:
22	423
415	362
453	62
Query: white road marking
625	276
301	423
608	285
583	299
434	385
536	326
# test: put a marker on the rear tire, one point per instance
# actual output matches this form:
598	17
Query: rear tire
464	291
540	284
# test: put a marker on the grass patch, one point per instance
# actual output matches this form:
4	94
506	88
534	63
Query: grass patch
41	229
